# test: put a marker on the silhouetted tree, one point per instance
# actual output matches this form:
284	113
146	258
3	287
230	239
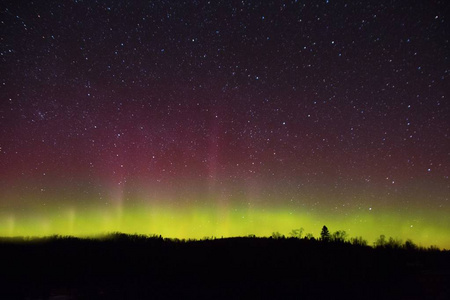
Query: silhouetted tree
309	236
433	248
380	242
358	241
394	243
325	234
277	235
297	233
410	245
339	236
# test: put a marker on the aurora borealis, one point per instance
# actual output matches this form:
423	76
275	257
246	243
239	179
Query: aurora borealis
225	118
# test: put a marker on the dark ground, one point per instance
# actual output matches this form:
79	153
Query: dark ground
135	267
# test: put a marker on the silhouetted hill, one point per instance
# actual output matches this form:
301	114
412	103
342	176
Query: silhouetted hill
137	267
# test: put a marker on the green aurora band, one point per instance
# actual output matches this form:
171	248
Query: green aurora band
206	221
195	210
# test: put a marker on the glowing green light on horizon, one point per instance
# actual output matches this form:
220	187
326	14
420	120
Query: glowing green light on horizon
197	223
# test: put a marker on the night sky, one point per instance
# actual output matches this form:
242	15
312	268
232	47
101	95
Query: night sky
225	118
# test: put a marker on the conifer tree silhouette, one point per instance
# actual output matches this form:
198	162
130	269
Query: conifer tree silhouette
325	234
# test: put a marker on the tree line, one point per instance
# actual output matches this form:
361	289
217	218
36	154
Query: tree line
340	236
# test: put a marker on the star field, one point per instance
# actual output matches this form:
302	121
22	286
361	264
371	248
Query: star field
203	118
